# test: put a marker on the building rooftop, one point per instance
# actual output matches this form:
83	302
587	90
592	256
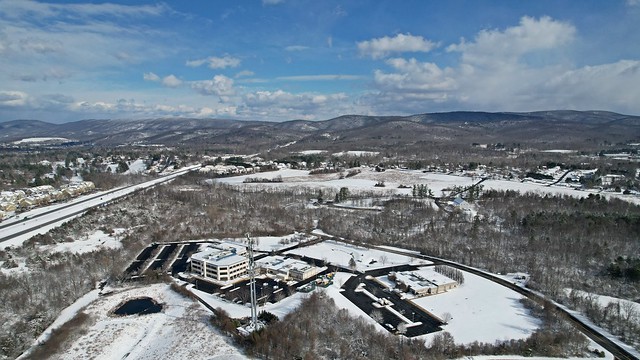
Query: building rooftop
280	263
219	256
423	278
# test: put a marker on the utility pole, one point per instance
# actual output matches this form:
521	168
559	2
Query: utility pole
252	285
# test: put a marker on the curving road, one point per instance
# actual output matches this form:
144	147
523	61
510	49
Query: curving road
618	351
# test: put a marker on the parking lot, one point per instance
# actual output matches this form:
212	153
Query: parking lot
173	257
390	321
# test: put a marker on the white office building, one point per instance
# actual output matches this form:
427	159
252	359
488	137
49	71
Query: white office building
220	262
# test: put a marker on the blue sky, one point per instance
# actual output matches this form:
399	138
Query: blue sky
280	60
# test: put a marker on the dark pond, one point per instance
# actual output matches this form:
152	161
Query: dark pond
140	306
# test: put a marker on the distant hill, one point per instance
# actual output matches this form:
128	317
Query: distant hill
542	129
10	129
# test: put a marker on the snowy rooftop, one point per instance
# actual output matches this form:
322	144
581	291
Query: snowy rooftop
219	256
424	278
239	249
280	263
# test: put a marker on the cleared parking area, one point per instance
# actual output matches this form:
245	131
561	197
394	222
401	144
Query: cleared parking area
388	308
385	306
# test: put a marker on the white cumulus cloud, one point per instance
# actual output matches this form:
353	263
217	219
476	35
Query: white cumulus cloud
171	81
381	47
283	105
219	85
150	77
492	47
597	87
495	73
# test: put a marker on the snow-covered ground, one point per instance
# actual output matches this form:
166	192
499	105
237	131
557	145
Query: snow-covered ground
627	308
393	178
67	314
482	311
356	153
366	259
311	152
180	331
137	167
40	140
365	204
99	239
560	151
273	243
604	300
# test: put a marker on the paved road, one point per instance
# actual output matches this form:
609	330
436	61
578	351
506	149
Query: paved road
411	312
615	349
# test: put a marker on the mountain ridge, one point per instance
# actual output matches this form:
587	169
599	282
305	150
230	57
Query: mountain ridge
552	126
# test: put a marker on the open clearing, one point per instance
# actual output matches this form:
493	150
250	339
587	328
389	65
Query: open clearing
180	331
393	178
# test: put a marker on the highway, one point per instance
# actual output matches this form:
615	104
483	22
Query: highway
40	220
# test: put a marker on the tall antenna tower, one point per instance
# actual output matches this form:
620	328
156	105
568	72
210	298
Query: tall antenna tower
252	286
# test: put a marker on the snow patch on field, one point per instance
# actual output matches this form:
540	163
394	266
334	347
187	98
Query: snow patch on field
560	151
40	140
311	152
356	153
137	167
96	241
481	311
273	243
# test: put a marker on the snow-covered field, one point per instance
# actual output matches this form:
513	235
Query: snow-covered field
311	152
137	167
393	178
340	254
273	243
40	140
356	153
481	311
99	239
180	331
